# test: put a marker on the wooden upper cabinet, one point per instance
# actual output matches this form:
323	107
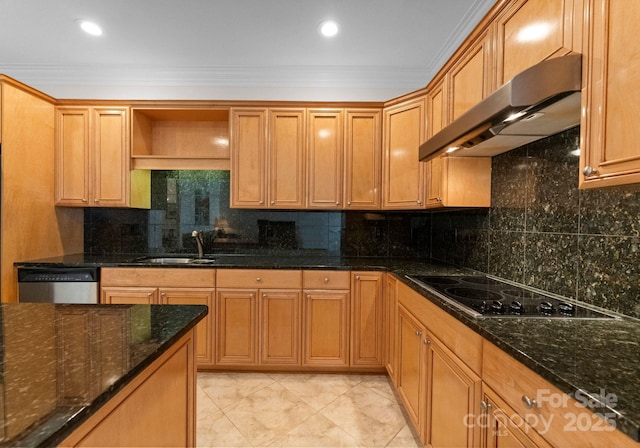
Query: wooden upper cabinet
403	176
611	97
530	31
363	160
459	182
111	156
93	159
248	157
286	158
325	158
471	78
437	108
73	142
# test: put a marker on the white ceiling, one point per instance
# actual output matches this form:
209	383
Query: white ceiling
232	49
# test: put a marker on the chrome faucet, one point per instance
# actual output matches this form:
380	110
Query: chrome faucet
199	241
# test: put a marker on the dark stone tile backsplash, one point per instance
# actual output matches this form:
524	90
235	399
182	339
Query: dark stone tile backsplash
540	230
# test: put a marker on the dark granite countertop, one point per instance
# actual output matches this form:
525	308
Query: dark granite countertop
596	357
60	363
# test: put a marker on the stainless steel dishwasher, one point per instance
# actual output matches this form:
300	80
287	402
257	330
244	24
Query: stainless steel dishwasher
58	284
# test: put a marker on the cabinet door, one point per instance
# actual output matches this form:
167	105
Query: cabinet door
411	368
609	133
434	182
391	327
110	150
471	77
502	427
204	329
326	320
236	326
453	394
129	295
403	176
280	330
72	156
325	169
366	319
530	31
363	160
248	141
286	158
437	108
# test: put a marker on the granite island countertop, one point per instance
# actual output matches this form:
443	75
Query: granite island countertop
576	355
60	363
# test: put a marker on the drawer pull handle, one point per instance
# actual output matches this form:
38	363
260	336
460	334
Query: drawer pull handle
418	333
326	279
258	279
529	403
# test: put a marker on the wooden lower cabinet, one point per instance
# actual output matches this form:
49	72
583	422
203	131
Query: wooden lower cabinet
236	327
145	286
158	408
204	329
411	375
280	327
453	393
437	389
502	427
326	328
391	327
367	312
130	295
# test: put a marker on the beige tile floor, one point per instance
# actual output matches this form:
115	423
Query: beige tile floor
299	410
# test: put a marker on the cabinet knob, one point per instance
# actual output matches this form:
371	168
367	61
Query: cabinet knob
96	200
308	296
264	296
427	342
349	203
419	202
273	202
258	279
85	200
529	403
589	171
149	294
251	296
418	333
326	279
439	199
260	202
357	277
485	406
337	202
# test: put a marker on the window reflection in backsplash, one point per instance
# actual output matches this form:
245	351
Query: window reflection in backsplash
183	201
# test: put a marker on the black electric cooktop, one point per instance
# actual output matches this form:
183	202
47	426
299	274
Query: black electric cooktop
483	296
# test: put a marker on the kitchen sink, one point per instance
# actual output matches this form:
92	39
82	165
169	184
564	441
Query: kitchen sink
177	260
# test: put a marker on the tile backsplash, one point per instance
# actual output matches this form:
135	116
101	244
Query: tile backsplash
540	230
544	232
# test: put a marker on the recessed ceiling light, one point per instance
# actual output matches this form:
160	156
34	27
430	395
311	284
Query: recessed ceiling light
90	27
329	28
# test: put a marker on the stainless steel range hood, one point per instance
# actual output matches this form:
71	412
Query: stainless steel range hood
541	101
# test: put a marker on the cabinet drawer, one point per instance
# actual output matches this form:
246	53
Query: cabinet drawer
158	277
259	278
560	419
325	279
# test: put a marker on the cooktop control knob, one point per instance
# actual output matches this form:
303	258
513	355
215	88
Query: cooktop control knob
566	309
546	308
497	307
517	308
